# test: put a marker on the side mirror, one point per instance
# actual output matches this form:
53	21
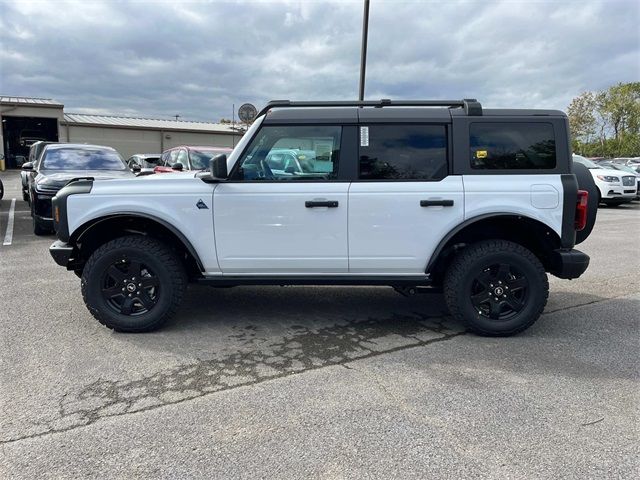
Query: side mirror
27	166
177	166
135	168
218	167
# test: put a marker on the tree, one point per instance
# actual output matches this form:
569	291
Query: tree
607	123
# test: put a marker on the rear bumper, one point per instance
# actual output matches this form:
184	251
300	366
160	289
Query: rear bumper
569	263
61	253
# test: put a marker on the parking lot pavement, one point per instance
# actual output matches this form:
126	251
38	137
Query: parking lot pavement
327	382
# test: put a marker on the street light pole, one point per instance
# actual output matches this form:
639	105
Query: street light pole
363	53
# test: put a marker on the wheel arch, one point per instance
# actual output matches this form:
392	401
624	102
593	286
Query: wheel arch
97	231
533	234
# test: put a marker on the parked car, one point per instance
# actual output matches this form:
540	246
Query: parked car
297	162
143	162
484	221
626	169
188	158
35	151
57	165
614	186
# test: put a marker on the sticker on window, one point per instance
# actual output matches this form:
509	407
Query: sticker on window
364	136
481	154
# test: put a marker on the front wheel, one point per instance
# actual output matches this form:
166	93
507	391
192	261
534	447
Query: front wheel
496	288
133	284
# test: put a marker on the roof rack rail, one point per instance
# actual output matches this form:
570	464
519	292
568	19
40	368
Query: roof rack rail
471	105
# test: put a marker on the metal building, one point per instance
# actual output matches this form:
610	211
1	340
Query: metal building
27	120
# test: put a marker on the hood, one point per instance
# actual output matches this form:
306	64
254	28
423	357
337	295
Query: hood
60	178
609	172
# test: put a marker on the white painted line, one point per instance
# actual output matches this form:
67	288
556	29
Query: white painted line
8	237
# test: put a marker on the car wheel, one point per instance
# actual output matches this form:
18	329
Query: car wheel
496	288
1	190
40	228
133	284
25	196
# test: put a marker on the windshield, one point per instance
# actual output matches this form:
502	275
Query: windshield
82	159
587	163
200	158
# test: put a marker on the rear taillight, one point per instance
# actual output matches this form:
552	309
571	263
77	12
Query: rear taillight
581	210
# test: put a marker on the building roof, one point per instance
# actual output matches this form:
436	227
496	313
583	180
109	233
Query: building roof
31	101
115	121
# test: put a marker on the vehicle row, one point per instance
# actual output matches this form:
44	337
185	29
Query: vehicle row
617	182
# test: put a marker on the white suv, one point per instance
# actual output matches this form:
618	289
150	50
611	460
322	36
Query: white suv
614	186
434	194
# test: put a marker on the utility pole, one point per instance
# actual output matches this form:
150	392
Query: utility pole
363	53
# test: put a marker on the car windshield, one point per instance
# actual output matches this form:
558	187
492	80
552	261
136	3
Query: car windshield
200	158
150	162
586	162
82	159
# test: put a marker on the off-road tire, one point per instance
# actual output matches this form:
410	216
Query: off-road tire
466	266
157	256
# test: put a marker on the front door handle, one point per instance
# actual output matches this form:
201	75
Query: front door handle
321	203
436	203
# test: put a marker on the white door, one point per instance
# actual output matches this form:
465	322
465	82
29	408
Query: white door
274	220
404	201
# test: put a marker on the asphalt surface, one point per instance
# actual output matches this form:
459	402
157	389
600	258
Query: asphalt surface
305	382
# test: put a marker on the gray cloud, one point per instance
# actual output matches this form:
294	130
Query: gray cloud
197	58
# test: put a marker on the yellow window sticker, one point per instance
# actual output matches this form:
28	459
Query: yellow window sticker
481	154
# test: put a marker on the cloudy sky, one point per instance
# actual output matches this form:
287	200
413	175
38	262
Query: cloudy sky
197	58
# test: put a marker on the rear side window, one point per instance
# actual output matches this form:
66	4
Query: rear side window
512	146
403	152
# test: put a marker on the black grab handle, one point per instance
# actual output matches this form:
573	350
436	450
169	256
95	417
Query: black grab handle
436	203
321	203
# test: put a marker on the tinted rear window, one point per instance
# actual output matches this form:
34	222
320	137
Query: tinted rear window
82	159
512	146
403	152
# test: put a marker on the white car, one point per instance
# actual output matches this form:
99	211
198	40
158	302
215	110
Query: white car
616	187
431	194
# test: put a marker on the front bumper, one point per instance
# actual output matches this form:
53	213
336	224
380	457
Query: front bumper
569	264
619	192
61	253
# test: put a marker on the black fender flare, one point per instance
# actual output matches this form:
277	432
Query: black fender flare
470	221
85	227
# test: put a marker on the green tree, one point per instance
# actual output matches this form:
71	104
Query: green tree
607	123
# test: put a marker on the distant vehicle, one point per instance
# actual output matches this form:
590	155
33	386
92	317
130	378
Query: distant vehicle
299	163
57	165
35	151
626	169
614	186
143	162
29	137
188	158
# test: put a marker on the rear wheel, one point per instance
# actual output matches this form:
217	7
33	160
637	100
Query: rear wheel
496	288
133	284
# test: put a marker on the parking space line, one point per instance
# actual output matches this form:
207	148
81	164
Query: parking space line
8	237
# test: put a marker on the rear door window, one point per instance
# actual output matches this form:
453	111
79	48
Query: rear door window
512	146
403	152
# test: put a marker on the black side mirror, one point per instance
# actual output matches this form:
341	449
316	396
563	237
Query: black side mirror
218	167
27	166
177	166
135	168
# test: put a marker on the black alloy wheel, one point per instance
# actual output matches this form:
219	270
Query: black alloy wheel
499	291
130	287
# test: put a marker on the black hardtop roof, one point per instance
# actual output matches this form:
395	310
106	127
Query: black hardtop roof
380	110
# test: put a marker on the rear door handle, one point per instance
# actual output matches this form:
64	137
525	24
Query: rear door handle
436	203
321	203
